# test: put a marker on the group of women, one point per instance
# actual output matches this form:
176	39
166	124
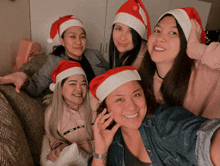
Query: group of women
158	103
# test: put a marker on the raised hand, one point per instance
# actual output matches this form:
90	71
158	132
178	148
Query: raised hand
17	78
194	47
103	137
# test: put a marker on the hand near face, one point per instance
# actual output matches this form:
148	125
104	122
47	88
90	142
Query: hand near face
195	34
17	78
103	137
194	40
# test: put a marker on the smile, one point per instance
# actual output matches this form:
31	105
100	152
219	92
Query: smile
77	95
77	48
132	116
122	45
159	48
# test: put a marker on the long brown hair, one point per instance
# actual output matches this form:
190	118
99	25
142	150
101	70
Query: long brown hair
175	83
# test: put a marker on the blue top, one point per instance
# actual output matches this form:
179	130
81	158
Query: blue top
170	138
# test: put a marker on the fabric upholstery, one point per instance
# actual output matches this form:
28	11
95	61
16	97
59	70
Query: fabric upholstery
21	129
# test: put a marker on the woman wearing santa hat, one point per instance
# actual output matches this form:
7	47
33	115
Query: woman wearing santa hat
69	116
72	36
189	77
130	31
144	134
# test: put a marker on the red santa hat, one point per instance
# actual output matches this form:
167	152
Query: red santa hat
65	69
62	24
183	16
102	85
133	14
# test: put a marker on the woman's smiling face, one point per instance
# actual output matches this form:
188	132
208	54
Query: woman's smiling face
164	42
74	42
128	105
122	38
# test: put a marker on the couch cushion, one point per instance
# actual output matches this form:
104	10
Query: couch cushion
30	113
14	149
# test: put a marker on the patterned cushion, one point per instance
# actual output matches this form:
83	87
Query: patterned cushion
30	113
14	149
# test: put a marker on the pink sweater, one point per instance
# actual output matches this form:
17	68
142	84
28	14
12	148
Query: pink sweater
203	94
71	119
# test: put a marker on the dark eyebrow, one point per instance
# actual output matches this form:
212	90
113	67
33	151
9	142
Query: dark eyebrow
137	90
170	27
117	25
75	33
72	80
157	26
133	92
76	81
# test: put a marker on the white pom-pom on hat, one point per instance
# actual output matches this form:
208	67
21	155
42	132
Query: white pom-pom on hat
49	40
52	86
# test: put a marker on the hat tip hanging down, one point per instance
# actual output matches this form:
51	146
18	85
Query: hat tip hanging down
63	23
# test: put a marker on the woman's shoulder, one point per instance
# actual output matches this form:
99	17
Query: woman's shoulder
56	57
96	58
90	53
165	112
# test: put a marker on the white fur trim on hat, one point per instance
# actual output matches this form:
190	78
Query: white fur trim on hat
70	23
132	22
114	81
65	74
182	18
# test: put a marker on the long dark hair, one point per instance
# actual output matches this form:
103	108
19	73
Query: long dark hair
59	49
130	55
175	83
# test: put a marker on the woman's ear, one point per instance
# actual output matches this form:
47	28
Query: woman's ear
61	41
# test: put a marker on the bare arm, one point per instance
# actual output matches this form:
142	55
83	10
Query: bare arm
17	78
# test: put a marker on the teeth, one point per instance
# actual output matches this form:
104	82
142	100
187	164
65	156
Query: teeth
131	116
78	95
158	48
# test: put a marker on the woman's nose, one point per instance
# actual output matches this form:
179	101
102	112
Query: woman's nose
78	40
79	88
124	36
131	105
161	37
